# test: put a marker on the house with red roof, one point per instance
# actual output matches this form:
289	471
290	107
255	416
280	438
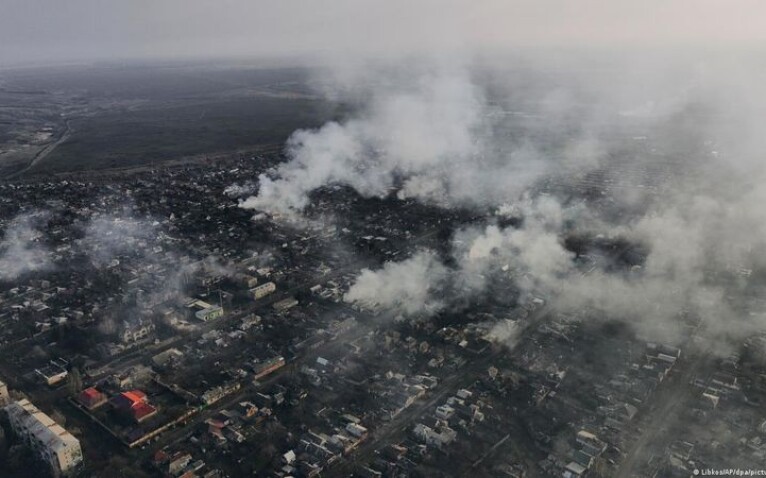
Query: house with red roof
91	398
134	403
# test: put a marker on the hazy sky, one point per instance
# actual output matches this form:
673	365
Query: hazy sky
56	30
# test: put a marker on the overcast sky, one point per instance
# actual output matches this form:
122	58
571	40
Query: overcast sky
65	30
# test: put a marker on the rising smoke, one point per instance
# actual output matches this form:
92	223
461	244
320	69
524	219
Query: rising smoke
409	287
434	138
108	236
22	249
682	163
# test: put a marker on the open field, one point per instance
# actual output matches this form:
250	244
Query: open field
96	117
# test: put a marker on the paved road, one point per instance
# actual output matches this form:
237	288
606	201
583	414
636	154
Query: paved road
666	404
396	429
43	153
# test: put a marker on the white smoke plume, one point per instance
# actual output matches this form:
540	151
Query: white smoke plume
453	132
21	249
108	236
532	254
409	287
436	137
240	190
431	138
505	332
423	284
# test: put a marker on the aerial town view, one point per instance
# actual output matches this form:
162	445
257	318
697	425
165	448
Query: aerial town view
371	239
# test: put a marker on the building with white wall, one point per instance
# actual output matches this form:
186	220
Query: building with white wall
5	398
52	443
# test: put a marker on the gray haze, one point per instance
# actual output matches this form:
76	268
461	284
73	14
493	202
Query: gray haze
433	86
53	31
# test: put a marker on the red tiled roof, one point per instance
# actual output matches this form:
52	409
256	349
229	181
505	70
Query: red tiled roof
135	403
90	397
90	393
142	410
136	397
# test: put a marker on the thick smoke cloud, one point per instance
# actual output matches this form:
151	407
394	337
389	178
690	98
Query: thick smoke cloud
425	133
677	150
532	254
433	136
455	131
704	245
